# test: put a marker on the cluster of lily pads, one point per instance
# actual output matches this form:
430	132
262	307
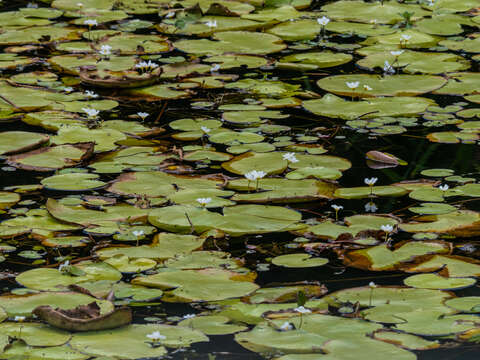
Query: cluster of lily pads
167	141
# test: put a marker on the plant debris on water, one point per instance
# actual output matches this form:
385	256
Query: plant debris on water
281	179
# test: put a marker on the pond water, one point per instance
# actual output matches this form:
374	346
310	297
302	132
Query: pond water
249	179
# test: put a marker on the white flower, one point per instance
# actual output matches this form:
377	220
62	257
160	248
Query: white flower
156	336
143	115
19	318
431	3
366	87
372	285
290	157
105	50
286	326
373	21
397	53
91	112
254	175
211	23
215	67
204	201
80	5
143	65
63	266
68	89
151	65
387	228
337	207
405	37
323	20
138	233
387	68
205	129
90	22
189	316
302	310
371	181
91	94
443	187
170	14
371	207
353	84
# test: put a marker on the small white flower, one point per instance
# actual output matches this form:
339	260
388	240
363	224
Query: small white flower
19	318
138	233
254	175
387	68
105	50
353	84
405	37
387	228
205	129
68	89
189	316
204	201
323	20
80	5
337	207
211	23
397	53
444	187
143	115
63	266
151	65
290	157
373	21
91	112
141	65
286	326
371	207
371	181
431	3
372	285
170	14
91	94
368	88
302	310
90	22
215	67
156	336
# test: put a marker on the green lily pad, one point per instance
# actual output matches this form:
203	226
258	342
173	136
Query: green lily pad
298	261
131	342
198	285
35	334
406	341
165	246
381	258
19	349
434	281
52	158
212	325
20	141
336	107
458	223
53	279
23	305
393	85
433	208
73	181
464	304
242	42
